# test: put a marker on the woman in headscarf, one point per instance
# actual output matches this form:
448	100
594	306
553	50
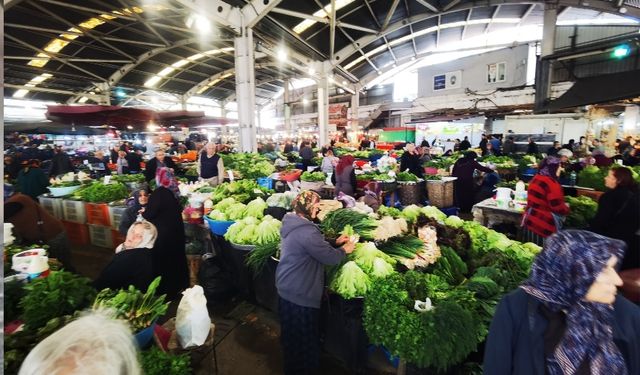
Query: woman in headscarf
138	201
300	282
618	214
164	211
546	207
345	177
31	179
566	318
465	186
410	161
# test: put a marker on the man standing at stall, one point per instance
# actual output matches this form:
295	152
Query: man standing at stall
210	165
61	163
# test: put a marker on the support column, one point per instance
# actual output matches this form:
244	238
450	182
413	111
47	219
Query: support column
224	130
355	109
105	93
183	102
544	70
245	90
323	104
286	108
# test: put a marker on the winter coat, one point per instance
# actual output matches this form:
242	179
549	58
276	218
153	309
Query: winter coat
304	253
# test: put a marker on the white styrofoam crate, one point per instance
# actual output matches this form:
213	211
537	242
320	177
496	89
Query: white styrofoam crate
52	205
115	215
74	211
101	236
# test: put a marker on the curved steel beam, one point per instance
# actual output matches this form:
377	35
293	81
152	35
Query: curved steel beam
192	91
126	69
348	51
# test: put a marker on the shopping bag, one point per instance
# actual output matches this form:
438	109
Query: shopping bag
192	320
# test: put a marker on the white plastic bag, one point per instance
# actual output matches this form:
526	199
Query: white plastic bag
192	320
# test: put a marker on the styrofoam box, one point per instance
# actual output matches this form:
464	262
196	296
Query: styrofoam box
101	236
51	205
115	215
74	211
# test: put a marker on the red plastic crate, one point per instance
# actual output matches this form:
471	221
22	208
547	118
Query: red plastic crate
77	234
98	214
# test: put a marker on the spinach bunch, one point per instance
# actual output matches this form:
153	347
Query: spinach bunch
156	362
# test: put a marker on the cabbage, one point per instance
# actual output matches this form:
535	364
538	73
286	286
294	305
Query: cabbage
411	213
351	281
381	268
366	253
434	213
453	221
256	208
224	204
497	240
236	211
282	200
268	231
531	247
217	215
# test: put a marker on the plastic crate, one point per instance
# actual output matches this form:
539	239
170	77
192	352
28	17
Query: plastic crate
74	211
265	182
77	234
51	205
101	236
116	238
115	215
98	214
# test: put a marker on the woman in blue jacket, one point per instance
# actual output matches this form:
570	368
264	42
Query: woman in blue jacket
566	318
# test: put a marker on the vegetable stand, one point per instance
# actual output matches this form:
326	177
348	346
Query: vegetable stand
488	213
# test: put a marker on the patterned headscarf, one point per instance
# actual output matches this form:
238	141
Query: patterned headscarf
549	166
165	178
303	203
560	278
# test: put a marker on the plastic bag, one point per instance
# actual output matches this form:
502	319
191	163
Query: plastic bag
192	320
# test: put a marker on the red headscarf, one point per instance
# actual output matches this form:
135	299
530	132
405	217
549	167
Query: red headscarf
344	162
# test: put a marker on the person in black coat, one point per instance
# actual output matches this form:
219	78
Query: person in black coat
618	214
532	147
133	262
465	186
134	159
60	163
483	144
161	160
465	144
139	200
169	258
410	161
566	317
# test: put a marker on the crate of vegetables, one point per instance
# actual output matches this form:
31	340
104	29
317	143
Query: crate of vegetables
312	181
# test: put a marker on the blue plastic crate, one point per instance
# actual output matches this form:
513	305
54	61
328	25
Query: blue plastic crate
450	211
265	182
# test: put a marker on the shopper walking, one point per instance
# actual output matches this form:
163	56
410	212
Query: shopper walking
328	162
306	153
60	163
410	161
210	165
465	186
566	318
483	145
169	258
465	144
31	179
546	208
618	214
532	147
300	283
122	165
345	177
160	161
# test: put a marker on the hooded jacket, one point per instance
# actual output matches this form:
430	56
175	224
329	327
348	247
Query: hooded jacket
304	252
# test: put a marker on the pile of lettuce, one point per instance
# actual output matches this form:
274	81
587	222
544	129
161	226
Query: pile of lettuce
249	165
230	210
242	191
583	209
252	231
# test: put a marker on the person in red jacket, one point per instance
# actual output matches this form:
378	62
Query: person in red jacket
545	202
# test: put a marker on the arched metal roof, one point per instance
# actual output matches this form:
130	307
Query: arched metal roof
61	50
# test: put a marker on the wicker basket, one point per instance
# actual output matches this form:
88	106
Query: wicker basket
440	193
388	186
409	193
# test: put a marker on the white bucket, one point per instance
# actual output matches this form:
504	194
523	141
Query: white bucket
503	194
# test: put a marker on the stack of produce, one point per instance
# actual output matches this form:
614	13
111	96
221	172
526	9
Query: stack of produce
252	231
98	192
583	209
242	191
282	200
249	165
229	209
334	223
313	177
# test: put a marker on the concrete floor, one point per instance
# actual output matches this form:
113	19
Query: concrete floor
246	337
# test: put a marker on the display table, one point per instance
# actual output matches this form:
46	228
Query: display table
488	213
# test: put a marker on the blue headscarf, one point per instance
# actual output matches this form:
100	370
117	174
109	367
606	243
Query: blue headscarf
560	278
